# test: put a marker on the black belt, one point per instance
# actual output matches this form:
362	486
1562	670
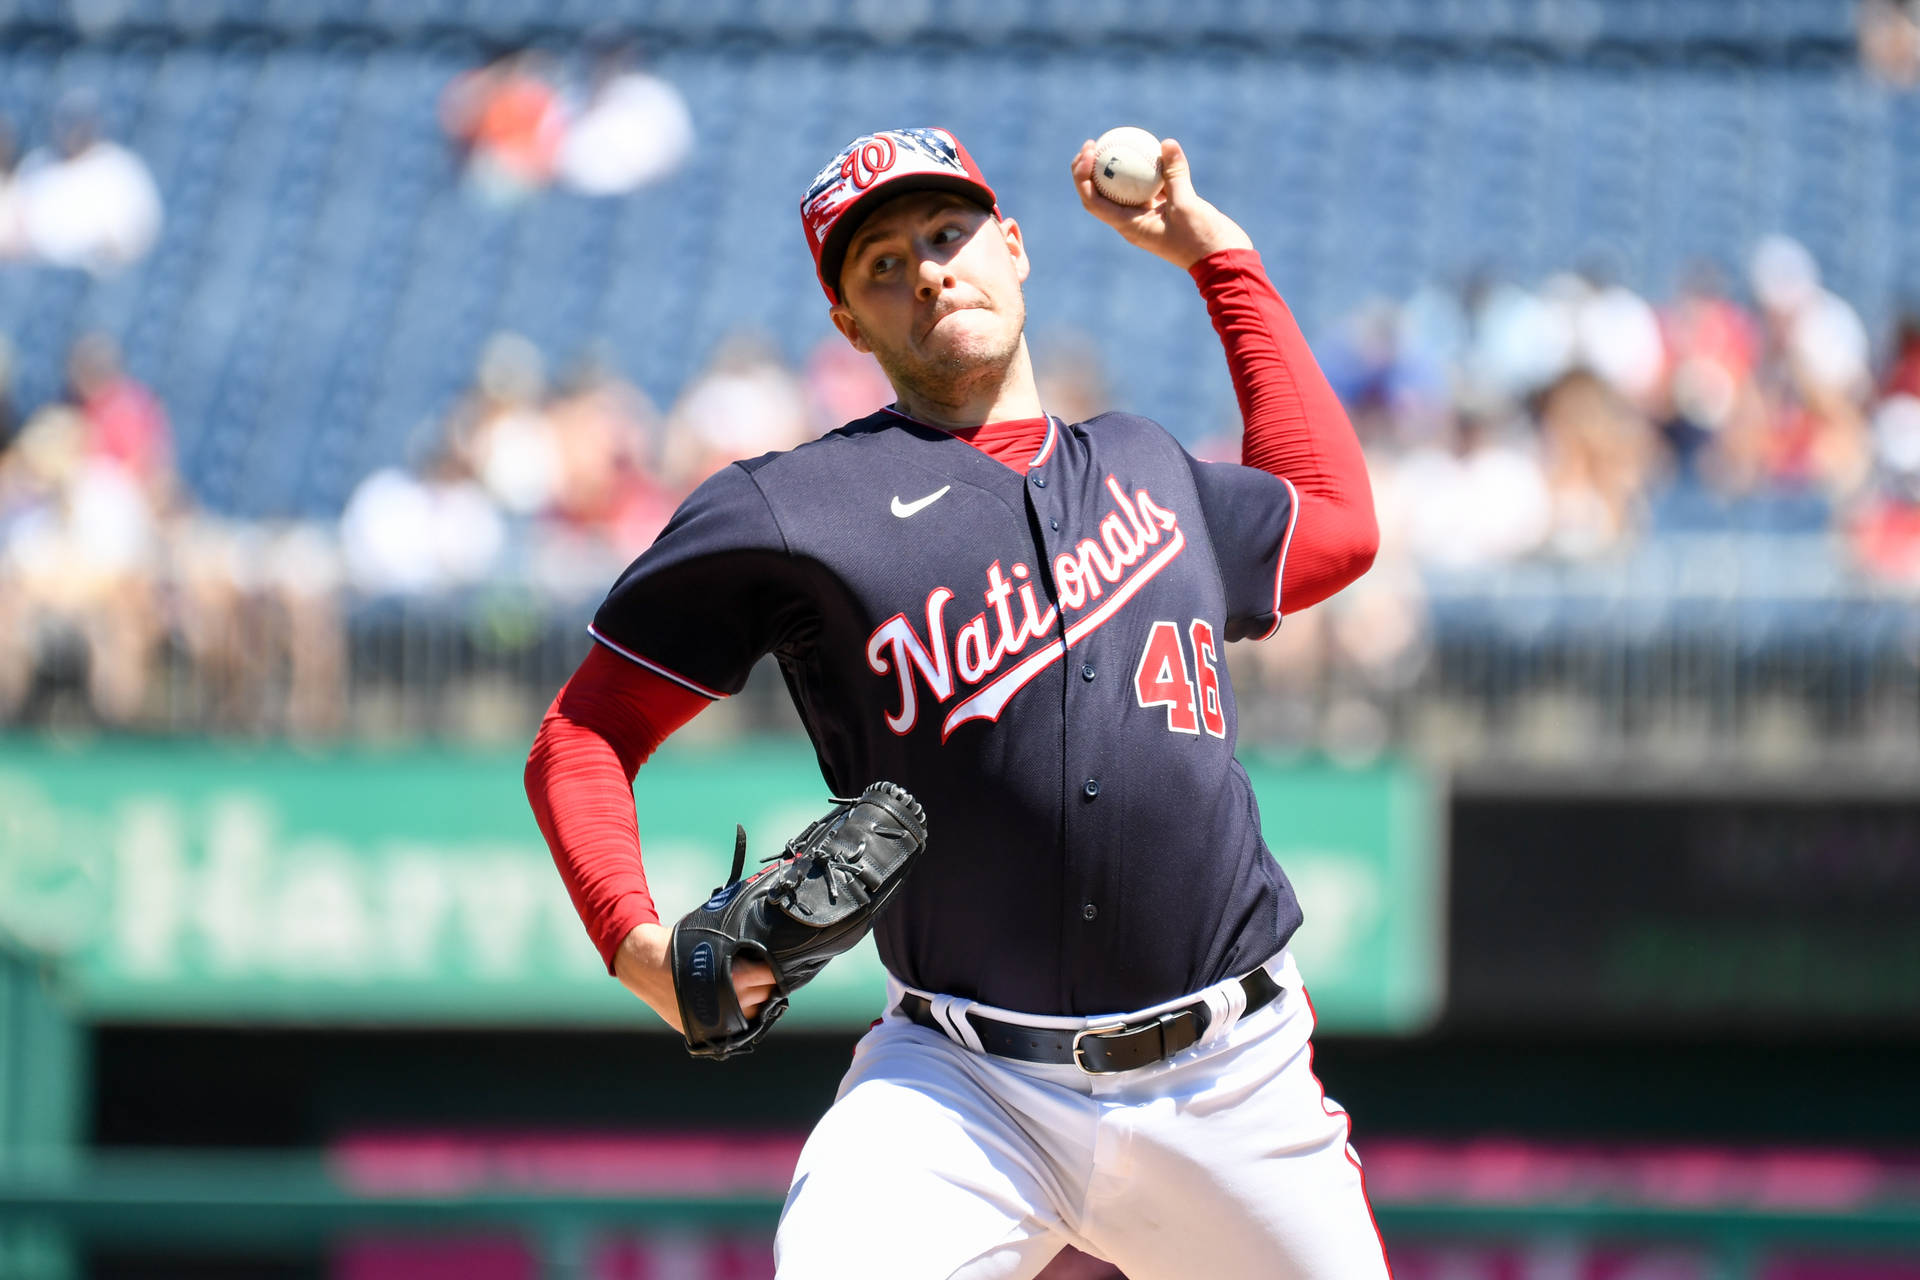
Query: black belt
1099	1048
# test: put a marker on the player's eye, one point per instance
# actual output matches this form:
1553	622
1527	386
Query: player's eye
883	263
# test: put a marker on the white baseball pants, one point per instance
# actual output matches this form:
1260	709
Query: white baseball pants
1225	1162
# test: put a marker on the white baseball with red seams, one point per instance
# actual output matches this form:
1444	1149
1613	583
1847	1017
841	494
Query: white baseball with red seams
1126	165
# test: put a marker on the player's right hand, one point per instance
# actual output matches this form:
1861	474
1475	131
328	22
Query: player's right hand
642	966
1177	224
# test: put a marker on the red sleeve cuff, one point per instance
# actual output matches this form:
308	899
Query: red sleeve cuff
1226	264
633	909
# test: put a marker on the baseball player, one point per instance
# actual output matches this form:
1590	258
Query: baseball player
1094	1034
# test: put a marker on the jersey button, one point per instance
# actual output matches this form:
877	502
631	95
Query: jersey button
1089	911
1092	788
1039	482
1086	672
1055	524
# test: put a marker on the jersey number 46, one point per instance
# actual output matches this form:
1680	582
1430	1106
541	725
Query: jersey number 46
1165	679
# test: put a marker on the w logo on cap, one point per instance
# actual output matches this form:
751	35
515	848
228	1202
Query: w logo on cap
864	159
894	160
872	159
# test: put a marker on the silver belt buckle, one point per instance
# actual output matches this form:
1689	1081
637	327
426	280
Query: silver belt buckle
1106	1028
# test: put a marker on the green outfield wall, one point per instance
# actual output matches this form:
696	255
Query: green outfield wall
202	883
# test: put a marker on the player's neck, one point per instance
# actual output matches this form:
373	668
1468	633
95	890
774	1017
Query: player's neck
1014	394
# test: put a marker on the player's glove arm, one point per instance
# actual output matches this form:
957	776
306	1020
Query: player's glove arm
726	970
604	724
1296	427
822	896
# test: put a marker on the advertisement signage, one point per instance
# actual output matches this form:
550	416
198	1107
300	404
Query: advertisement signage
202	883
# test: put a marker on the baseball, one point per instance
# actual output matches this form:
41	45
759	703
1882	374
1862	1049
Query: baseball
1126	165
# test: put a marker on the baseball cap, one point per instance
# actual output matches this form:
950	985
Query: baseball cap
876	167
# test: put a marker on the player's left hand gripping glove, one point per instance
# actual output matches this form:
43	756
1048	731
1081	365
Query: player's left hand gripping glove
819	899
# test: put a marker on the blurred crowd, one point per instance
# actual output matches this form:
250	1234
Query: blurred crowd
1568	420
521	125
561	482
1577	423
124	603
80	199
1571	419
111	578
1890	41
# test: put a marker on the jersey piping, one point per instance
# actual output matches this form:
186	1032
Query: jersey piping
1286	543
1046	447
693	686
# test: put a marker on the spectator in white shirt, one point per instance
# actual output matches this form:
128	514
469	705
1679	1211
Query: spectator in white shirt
88	202
635	129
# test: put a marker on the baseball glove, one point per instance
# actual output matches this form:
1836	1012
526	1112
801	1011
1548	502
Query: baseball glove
818	900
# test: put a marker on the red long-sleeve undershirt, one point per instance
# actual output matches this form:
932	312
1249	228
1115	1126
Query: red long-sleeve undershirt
612	715
1296	428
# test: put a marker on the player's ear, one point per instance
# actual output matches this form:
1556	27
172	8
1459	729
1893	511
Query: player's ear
849	328
1016	247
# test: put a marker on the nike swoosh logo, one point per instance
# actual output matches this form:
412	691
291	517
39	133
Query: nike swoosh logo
905	509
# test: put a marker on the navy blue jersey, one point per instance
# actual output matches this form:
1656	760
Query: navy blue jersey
1037	656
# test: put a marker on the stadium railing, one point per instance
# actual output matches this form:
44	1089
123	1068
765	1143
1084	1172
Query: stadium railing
1709	651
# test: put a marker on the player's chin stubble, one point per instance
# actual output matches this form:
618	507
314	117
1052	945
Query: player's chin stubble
951	378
